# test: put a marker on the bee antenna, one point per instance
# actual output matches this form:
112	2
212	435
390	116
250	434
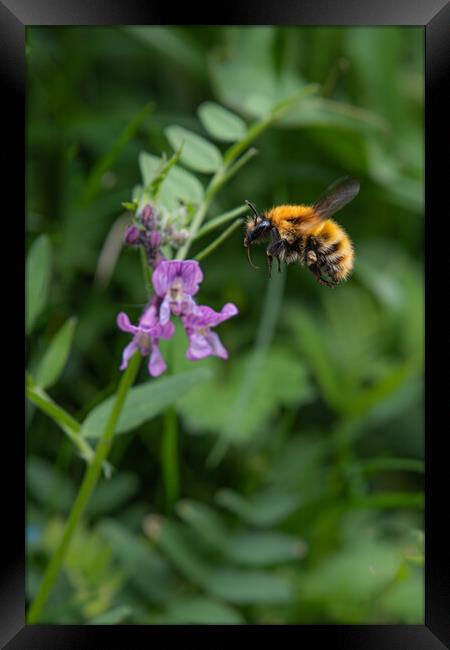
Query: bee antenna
250	258
253	208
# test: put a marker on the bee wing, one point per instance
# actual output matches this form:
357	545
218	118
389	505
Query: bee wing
336	196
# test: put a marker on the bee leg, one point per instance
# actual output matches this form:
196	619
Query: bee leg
273	250
279	265
269	263
330	270
315	270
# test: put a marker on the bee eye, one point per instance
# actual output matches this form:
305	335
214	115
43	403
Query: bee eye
262	228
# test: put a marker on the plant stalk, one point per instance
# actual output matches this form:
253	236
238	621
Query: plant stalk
88	485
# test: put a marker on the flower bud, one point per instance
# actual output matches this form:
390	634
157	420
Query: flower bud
155	239
147	216
132	235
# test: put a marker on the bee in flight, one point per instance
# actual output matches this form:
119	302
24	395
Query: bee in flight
306	234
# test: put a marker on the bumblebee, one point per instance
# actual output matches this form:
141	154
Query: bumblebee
305	234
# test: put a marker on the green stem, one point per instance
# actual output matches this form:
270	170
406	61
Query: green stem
388	464
68	424
337	70
196	223
221	238
212	224
146	272
231	170
169	459
214	186
254	131
84	494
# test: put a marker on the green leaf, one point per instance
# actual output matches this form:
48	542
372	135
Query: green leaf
55	357
246	79
198	610
265	548
148	572
198	153
281	380
264	509
114	616
178	183
371	564
47	486
171	538
381	391
164	167
38	271
221	123
301	464
170	43
228	584
310	340
188	187
29	380
249	587
404	601
130	206
110	495
205	522
143	402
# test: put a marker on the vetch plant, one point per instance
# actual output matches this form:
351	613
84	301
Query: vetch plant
316	416
169	210
175	282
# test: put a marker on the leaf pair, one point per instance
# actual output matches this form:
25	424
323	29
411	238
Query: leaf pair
200	154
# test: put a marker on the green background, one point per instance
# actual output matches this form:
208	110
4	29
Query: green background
301	473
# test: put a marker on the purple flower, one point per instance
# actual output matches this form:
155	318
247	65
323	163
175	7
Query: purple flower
176	282
202	341
146	336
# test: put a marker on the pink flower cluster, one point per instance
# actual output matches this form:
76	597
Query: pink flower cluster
175	283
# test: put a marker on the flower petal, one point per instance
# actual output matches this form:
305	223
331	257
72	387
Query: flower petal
186	306
156	364
164	274
149	318
164	311
127	354
166	331
229	310
217	348
204	316
199	347
191	275
124	324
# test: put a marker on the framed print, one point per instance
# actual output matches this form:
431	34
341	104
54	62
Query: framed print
233	248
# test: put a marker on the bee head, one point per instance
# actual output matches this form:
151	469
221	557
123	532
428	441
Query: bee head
258	227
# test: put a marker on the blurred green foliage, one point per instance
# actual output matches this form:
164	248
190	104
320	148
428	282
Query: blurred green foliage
301	457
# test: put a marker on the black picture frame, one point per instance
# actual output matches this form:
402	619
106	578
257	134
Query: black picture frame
434	17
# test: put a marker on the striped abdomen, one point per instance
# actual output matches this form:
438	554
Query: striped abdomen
334	249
